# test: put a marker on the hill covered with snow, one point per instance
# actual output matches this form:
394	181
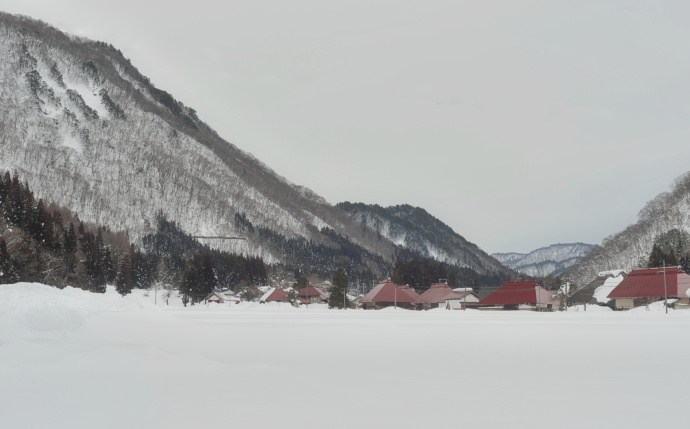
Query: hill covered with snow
549	260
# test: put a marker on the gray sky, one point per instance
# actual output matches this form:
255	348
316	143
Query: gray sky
518	123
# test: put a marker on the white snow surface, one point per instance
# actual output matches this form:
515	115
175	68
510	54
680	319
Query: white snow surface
72	359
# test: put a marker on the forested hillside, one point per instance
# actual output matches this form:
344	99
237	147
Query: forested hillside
413	228
84	127
664	220
545	261
48	244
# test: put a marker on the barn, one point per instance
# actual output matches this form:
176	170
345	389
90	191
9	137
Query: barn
642	287
521	295
388	294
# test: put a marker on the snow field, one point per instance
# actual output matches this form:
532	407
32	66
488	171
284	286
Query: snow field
72	359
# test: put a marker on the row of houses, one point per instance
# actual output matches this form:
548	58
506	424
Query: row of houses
618	289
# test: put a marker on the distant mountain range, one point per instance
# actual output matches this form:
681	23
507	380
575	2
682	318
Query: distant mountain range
84	128
550	260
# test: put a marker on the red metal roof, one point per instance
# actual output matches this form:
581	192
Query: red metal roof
436	294
386	292
525	292
650	283
278	294
312	291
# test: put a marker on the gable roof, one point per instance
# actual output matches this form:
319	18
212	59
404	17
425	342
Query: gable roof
436	294
387	291
650	283
522	292
460	295
274	294
310	291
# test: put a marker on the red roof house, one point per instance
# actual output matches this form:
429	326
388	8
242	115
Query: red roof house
435	296
274	294
388	294
649	284
312	295
522	294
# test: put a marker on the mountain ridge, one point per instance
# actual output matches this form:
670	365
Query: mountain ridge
547	260
87	130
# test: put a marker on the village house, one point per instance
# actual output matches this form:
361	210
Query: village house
221	297
312	295
461	298
596	292
642	287
435	296
274	294
521	295
388	294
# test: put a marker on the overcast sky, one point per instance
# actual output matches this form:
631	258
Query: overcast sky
518	123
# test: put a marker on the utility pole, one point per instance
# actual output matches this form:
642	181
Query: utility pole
665	290
395	296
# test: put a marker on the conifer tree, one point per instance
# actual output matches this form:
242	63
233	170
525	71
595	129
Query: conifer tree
338	297
123	282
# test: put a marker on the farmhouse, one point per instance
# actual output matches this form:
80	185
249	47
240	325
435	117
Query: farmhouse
435	296
274	294
596	292
388	294
222	297
642	287
312	295
461	298
521	295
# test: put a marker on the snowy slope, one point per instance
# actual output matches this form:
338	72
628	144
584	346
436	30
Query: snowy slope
84	128
72	359
415	229
550	260
630	248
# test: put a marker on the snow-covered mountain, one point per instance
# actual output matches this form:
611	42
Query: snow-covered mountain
631	248
550	260
87	130
415	229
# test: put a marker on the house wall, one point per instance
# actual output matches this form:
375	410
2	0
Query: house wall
625	303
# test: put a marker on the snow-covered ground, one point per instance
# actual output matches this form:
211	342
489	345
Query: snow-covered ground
71	359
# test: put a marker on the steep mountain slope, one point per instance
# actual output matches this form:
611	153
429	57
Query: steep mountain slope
548	260
86	129
631	247
415	229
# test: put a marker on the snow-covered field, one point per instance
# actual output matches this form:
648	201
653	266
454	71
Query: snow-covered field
71	359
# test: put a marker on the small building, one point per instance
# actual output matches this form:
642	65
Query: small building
435	296
388	294
215	297
642	287
596	292
312	295
274	294
461	298
521	295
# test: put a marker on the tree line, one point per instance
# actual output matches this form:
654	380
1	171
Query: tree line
47	243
